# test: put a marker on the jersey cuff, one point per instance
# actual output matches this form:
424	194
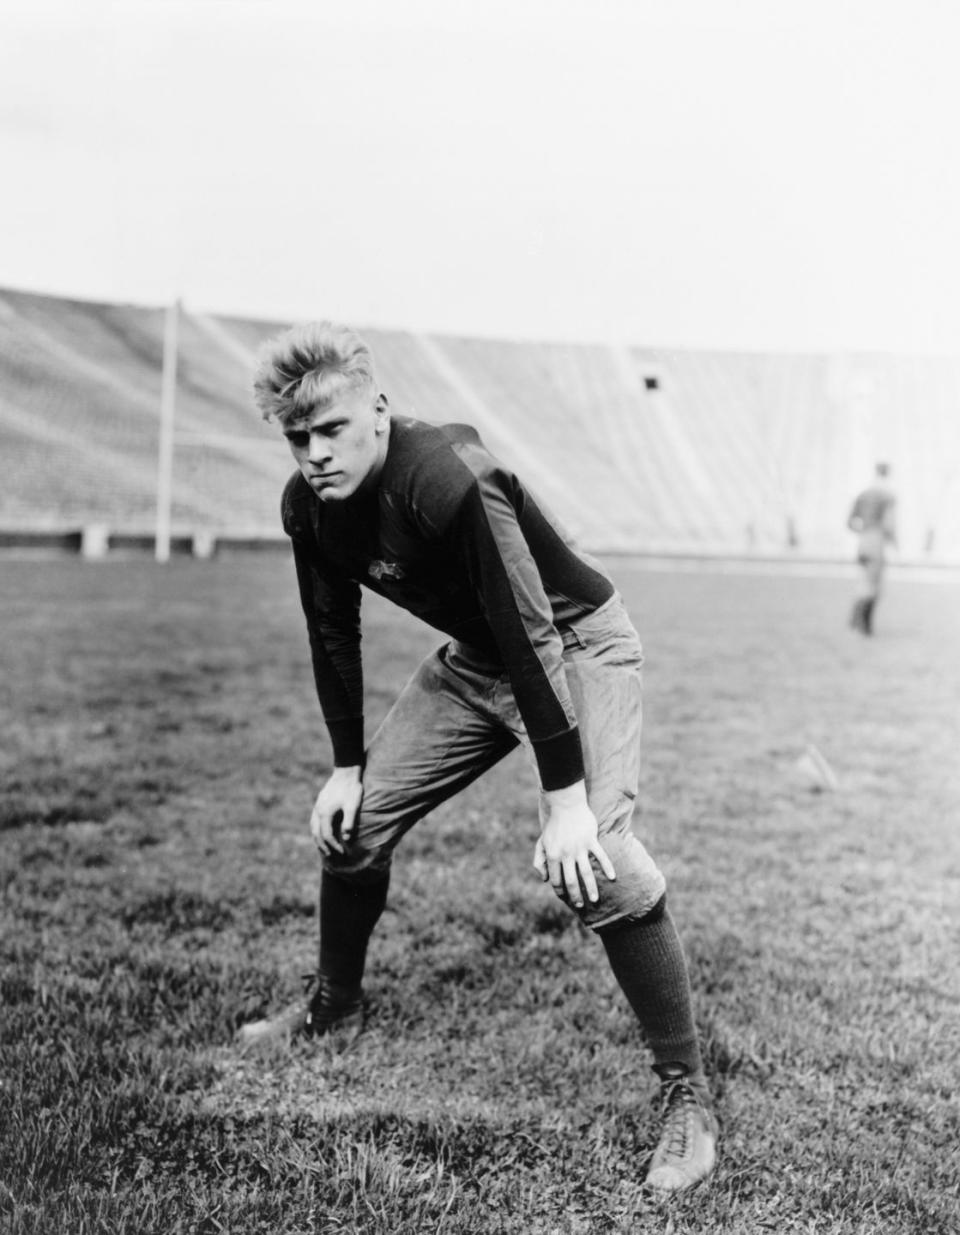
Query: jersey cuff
559	759
346	737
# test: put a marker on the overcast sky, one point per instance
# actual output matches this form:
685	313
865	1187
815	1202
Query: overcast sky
741	174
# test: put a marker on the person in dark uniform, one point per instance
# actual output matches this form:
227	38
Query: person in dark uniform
539	651
873	518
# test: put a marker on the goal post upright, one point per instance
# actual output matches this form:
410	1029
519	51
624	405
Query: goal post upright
168	397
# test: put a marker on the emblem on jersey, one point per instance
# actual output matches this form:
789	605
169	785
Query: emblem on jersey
386	570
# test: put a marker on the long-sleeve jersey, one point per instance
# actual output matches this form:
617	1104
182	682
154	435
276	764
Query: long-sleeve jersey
873	516
454	537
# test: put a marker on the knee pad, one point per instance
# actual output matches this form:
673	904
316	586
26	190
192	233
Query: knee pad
636	891
650	918
371	868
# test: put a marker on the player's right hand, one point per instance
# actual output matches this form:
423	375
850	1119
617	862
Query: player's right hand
335	810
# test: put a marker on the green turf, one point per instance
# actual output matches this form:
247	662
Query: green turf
160	749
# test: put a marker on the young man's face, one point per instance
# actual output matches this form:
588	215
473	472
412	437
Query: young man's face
340	448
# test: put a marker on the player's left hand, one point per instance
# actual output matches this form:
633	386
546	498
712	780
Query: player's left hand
568	840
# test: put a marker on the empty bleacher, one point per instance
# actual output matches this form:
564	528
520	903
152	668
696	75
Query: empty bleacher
638	449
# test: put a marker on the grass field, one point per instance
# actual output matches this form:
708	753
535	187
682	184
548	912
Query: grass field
160	748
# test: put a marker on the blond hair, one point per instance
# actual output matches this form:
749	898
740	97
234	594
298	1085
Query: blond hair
307	367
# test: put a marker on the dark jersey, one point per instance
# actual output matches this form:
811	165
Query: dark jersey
454	537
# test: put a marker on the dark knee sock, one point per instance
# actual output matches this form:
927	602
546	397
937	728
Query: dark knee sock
648	962
348	913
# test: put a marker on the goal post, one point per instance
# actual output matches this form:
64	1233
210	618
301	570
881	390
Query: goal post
168	399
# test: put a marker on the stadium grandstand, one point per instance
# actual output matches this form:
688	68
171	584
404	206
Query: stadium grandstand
640	450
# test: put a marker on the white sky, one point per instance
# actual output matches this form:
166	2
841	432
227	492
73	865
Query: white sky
760	174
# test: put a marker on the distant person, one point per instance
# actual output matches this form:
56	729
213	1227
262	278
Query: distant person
873	518
540	652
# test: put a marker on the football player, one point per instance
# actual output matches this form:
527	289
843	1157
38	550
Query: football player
539	651
873	518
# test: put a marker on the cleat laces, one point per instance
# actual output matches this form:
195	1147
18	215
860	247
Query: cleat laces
680	1108
686	1152
330	1007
